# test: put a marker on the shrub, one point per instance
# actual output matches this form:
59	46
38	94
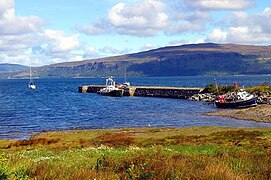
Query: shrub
212	88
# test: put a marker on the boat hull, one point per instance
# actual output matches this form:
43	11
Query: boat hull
237	104
31	86
115	93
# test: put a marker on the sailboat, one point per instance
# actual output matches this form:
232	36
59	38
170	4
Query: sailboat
31	84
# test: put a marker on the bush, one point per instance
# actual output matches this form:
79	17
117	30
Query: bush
212	88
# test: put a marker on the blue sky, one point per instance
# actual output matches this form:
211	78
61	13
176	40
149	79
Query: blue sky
44	32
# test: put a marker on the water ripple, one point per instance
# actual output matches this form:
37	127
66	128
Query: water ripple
56	105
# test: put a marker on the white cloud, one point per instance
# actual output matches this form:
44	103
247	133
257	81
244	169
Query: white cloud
17	59
12	24
147	18
60	42
144	18
90	52
245	28
247	35
188	22
100	27
141	19
40	48
17	34
266	11
147	47
22	40
241	34
11	44
148	14
199	41
113	51
263	20
217	35
177	42
220	4
5	5
185	26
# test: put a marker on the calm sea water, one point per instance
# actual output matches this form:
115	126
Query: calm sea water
57	105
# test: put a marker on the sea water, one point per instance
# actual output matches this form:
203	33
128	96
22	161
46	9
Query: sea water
57	105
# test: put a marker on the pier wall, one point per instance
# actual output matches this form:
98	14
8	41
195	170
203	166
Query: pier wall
183	93
90	88
148	91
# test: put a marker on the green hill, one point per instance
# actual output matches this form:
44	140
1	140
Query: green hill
191	59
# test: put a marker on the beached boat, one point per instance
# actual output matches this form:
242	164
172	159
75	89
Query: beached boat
111	89
243	100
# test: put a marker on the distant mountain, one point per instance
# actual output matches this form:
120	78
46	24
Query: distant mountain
185	60
5	67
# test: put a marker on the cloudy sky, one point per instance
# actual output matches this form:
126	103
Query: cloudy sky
42	32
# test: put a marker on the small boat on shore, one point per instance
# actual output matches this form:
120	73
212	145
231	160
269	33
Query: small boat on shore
243	100
111	89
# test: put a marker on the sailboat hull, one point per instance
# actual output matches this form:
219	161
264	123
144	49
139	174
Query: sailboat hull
31	86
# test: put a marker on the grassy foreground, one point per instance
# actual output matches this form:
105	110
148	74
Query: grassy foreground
145	153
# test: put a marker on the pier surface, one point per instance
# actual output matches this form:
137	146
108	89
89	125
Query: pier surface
148	91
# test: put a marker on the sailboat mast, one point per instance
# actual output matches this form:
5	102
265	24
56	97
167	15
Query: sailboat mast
30	75
31	85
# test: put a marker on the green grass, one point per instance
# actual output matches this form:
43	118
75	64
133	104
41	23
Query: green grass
265	88
146	153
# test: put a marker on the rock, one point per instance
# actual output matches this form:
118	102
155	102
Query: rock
205	97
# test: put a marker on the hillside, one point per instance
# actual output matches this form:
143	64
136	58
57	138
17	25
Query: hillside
191	59
11	67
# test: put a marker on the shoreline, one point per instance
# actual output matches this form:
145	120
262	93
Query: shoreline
260	113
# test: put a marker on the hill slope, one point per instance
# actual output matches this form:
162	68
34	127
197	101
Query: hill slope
5	67
192	59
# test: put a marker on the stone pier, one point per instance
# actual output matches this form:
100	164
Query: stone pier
148	91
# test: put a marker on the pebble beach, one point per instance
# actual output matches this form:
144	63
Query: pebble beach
260	113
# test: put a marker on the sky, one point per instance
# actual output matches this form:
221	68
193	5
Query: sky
43	32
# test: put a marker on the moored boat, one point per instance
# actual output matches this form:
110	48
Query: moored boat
111	89
31	84
243	100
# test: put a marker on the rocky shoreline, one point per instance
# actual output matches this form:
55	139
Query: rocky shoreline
260	113
263	98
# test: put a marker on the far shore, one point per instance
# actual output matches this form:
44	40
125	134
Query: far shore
260	113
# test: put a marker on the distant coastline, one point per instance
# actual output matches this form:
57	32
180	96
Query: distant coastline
185	60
